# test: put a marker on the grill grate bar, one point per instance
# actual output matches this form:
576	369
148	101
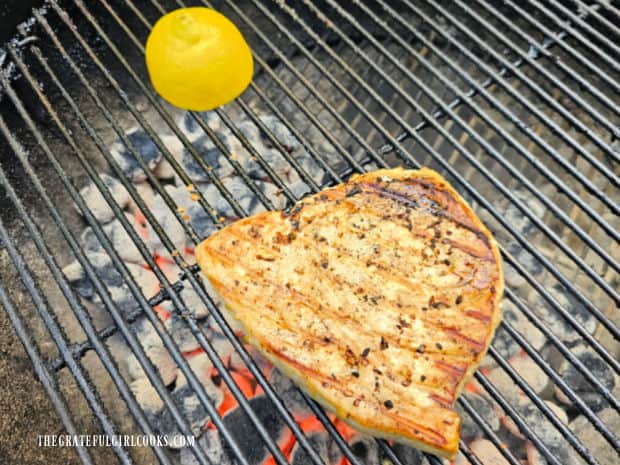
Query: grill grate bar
588	337
576	20
603	351
514	415
608	6
288	418
593	10
539	165
612	128
129	280
610	291
557	379
541	49
77	308
550	414
44	375
171	291
200	121
599	348
195	330
473	192
74	303
59	339
508	455
566	47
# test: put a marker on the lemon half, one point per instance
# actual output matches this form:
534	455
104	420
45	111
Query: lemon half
197	59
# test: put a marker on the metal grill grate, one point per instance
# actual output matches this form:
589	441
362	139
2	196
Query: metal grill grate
518	106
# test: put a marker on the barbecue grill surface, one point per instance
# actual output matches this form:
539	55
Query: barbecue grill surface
106	190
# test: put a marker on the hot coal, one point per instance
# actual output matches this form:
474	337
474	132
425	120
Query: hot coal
146	395
156	352
181	333
122	241
582	387
588	434
210	154
212	445
502	343
409	455
518	320
323	444
518	219
287	391
187	401
487	452
96	203
145	147
539	424
193	412
531	373
250	442
557	323
366	449
168	222
112	280
483	406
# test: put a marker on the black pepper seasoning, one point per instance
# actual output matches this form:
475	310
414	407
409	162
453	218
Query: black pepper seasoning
388	404
384	344
365	352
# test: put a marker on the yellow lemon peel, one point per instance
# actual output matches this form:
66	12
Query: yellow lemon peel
197	59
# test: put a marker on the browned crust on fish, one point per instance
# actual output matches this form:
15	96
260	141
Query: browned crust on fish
379	297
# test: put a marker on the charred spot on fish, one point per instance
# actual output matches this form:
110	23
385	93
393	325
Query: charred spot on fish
422	378
421	348
388	404
354	190
365	352
459	300
438	345
383	344
254	232
355	374
324	265
350	357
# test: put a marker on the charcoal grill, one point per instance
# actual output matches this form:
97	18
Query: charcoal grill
517	105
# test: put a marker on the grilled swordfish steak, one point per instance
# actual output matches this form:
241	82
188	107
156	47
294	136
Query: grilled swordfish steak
379	297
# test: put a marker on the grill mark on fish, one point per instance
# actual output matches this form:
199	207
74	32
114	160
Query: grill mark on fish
313	304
